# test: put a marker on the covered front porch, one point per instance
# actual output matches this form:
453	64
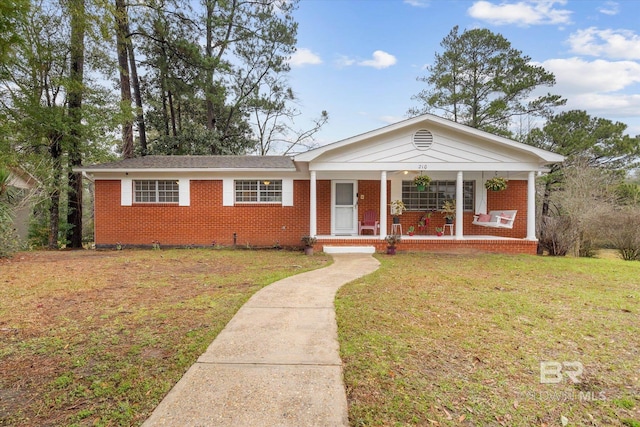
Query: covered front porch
366	173
339	200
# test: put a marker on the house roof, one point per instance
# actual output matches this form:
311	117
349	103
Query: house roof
428	120
195	163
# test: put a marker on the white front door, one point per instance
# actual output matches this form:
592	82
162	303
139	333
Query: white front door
345	207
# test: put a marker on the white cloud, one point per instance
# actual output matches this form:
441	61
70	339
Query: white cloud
523	13
344	61
614	107
381	59
417	3
304	56
575	75
619	44
610	8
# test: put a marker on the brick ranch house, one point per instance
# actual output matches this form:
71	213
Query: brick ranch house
324	192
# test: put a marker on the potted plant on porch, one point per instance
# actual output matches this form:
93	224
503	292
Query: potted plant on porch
308	242
422	182
392	240
397	207
449	210
439	231
497	183
424	221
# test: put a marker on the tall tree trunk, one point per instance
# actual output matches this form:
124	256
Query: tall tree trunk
76	74
212	61
172	112
55	150
135	81
209	73
125	84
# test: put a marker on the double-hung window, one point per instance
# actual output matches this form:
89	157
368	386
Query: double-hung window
435	194
156	191
258	191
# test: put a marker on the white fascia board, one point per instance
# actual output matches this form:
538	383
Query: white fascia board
426	167
181	170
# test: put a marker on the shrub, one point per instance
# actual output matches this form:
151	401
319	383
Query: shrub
625	234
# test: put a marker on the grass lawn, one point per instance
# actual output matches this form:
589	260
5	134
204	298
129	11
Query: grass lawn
98	338
443	340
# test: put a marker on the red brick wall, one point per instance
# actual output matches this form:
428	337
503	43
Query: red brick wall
207	221
513	198
323	207
204	222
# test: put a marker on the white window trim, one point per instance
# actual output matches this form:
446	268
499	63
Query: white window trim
229	191
127	191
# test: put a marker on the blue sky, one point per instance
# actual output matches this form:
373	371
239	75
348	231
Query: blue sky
359	59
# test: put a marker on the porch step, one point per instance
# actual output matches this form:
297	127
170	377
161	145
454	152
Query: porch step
349	249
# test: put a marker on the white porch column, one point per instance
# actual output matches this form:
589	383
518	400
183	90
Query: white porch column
383	205
459	206
531	206
312	204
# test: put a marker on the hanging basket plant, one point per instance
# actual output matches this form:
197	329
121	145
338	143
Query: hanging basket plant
497	183
422	182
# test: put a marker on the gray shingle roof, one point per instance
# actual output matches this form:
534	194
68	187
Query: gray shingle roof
196	162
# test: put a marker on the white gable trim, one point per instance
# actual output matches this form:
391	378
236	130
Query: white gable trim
427	121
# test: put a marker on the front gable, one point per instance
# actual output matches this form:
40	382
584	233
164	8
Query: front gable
428	143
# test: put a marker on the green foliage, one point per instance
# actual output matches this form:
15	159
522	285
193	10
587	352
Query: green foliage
593	141
199	96
12	14
628	193
480	80
422	180
497	183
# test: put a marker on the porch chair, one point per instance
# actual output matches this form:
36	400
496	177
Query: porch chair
369	222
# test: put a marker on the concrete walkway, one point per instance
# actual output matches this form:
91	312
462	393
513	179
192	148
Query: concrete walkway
276	363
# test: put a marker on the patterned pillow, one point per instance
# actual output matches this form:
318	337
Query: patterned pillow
484	218
505	219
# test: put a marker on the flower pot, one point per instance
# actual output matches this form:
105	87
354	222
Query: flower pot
448	220
410	234
396	220
421	187
439	233
308	250
391	250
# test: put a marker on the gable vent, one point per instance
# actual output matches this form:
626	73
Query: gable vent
423	139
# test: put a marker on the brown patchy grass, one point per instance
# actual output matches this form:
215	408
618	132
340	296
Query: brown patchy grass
99	337
444	340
